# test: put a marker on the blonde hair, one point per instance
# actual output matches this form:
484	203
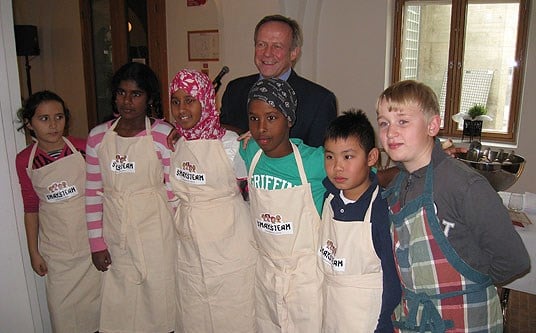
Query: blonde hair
406	92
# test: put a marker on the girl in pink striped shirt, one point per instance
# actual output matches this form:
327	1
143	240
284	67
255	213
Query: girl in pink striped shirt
128	214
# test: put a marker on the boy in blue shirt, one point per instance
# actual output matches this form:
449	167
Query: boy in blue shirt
361	285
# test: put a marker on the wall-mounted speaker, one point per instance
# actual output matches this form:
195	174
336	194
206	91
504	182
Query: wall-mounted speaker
26	40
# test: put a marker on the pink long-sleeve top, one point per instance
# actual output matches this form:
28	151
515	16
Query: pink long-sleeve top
159	131
41	158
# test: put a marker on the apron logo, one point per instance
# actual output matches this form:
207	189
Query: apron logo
327	252
273	224
187	174
59	191
122	165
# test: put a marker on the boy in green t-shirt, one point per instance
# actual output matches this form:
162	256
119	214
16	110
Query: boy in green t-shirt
277	168
287	194
285	182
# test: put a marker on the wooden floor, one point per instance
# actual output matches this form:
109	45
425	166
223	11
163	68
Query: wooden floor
521	313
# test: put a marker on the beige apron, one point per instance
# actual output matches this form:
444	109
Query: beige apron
352	273
72	282
288	280
139	286
216	255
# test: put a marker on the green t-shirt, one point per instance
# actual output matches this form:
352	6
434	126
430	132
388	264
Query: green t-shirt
279	173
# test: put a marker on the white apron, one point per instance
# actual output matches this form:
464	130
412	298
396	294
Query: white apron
288	280
139	286
352	273
216	255
72	282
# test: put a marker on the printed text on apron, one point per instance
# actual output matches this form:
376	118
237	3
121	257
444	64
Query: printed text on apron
216	257
352	273
72	282
288	280
139	286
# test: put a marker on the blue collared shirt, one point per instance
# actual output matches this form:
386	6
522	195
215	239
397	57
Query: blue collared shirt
283	76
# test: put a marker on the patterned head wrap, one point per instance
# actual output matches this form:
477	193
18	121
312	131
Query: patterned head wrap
198	85
278	94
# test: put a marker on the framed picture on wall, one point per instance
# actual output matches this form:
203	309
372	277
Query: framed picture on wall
203	45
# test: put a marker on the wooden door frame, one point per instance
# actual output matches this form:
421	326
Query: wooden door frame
157	47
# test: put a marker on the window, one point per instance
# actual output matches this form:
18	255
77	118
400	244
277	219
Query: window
470	52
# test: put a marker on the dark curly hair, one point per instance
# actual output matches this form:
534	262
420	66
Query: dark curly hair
146	80
26	113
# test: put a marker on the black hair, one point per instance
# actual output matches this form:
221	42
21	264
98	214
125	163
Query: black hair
297	36
26	113
352	123
146	80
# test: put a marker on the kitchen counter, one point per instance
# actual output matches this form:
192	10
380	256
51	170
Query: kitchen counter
526	283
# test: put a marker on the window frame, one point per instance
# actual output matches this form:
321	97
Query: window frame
156	39
455	65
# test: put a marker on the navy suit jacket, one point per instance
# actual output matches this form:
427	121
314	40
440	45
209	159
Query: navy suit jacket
317	107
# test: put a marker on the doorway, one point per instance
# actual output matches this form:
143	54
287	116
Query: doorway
115	32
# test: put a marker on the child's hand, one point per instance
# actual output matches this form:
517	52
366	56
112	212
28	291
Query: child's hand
450	149
243	186
172	138
245	137
101	260
39	264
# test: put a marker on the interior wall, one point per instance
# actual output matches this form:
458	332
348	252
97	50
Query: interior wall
527	134
307	13
181	19
353	64
238	19
59	66
236	34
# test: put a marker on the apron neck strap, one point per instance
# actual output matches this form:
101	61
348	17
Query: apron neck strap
297	156
36	143
147	125
69	143
32	155
368	214
429	179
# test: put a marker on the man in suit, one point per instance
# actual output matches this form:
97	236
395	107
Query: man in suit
278	41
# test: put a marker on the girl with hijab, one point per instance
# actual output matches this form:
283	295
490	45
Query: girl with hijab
216	254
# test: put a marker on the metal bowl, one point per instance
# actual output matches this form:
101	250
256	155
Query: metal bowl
503	170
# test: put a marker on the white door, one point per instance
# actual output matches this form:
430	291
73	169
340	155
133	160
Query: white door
23	305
